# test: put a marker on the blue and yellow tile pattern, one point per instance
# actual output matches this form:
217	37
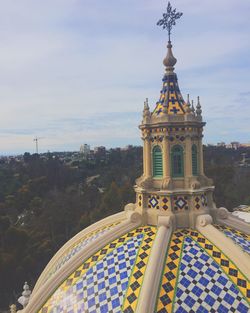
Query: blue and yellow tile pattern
241	239
107	281
198	277
200	201
79	245
139	269
159	202
180	203
170	97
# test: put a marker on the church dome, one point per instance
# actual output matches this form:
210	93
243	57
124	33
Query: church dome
172	250
121	263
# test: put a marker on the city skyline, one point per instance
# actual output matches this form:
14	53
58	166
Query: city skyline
79	71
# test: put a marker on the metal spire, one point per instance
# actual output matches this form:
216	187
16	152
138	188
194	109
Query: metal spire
169	19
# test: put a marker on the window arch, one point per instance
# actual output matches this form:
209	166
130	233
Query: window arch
177	161
194	160
157	162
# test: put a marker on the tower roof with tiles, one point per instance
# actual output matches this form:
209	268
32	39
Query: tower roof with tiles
171	100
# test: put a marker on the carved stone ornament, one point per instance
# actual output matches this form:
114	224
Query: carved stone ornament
204	220
222	213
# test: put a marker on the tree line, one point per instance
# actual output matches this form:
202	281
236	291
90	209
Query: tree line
44	202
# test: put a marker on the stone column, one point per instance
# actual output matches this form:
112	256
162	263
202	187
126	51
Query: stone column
188	157
147	157
166	156
200	156
144	156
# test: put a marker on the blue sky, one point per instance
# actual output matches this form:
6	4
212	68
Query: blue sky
78	71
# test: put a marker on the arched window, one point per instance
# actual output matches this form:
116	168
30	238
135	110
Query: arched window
194	160
177	161
157	162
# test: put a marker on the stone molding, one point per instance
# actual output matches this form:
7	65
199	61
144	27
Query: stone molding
224	217
178	191
166	221
222	213
204	220
152	276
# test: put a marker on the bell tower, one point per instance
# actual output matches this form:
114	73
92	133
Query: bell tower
173	181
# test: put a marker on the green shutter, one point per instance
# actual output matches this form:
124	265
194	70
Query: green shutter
194	160
157	162
177	165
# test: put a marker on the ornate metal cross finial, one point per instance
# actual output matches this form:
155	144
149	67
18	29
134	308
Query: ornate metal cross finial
169	18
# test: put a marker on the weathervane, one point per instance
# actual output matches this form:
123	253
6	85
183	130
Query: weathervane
169	18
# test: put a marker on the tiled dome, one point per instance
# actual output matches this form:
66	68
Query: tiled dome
195	276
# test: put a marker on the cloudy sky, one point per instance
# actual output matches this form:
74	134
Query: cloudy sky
78	71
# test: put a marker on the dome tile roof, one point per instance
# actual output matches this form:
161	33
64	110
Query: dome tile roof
198	277
109	279
240	238
76	246
79	245
193	272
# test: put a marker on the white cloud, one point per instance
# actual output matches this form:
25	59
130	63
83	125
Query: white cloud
62	59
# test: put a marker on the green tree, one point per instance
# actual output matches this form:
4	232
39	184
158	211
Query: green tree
4	226
111	201
16	239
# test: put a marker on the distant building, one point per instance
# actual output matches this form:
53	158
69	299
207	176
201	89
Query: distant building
100	150
85	150
245	162
245	145
235	145
126	148
221	144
